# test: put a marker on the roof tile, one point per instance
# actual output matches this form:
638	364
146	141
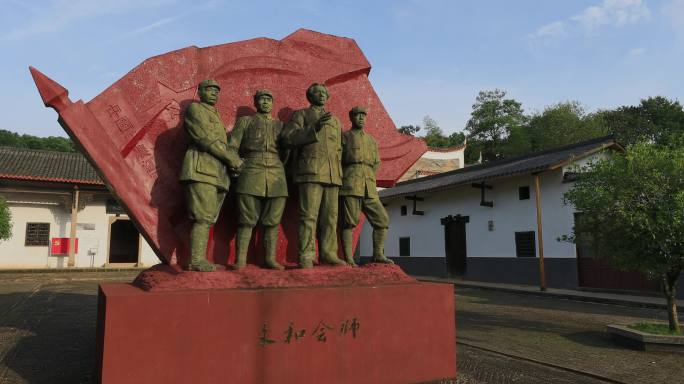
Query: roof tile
532	163
42	165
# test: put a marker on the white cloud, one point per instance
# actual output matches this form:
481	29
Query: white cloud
57	15
555	29
673	10
615	13
150	27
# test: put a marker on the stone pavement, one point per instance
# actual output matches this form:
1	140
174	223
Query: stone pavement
554	332
47	335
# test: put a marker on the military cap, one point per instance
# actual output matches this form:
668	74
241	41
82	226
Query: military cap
263	92
356	110
209	83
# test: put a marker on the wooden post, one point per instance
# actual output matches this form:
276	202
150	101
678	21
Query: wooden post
72	233
540	240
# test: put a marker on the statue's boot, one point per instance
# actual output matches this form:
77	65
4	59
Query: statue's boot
199	236
379	236
305	263
270	243
242	239
332	260
347	245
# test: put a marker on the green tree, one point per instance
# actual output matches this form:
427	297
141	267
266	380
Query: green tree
409	129
52	143
456	138
558	125
492	120
632	209
656	120
434	136
5	220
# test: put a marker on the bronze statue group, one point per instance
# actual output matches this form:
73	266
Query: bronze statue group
327	165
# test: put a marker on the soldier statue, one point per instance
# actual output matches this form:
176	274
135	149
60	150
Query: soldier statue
317	135
262	187
360	160
205	170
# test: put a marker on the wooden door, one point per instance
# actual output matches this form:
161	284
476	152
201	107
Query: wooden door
455	244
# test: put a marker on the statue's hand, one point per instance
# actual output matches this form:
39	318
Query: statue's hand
324	119
235	171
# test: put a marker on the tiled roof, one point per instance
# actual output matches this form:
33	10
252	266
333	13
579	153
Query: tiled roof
40	165
532	163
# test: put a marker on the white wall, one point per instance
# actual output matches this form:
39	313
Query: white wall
92	232
437	155
509	215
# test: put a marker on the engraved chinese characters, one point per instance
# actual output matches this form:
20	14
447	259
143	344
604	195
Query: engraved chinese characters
319	332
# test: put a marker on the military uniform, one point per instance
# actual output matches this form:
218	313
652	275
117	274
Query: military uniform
261	188
361	161
204	172
318	175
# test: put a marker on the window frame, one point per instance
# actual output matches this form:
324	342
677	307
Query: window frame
524	192
30	234
405	245
519	247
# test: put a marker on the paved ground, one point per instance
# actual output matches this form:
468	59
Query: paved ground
47	332
553	332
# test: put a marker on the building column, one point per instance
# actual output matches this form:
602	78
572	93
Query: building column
540	240
72	233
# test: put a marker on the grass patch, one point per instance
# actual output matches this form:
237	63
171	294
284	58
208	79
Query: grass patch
655	328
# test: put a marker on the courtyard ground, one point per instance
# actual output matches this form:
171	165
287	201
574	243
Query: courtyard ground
47	328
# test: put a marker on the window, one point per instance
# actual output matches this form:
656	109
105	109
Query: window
404	246
37	234
524	192
524	244
404	211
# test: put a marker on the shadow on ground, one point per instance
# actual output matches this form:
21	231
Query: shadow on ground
513	300
49	337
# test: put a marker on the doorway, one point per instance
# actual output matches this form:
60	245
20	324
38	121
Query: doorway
594	272
124	242
455	244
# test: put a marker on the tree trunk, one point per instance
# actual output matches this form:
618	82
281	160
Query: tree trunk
670	292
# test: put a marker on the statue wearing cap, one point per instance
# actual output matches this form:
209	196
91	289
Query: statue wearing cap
317	136
361	161
205	170
261	188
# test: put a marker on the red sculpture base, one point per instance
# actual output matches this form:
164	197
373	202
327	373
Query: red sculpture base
401	333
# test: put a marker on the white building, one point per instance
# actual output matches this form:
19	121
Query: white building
45	190
480	222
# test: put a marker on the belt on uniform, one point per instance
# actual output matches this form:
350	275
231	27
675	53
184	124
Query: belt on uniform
262	155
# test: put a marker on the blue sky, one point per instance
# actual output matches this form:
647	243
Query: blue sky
429	57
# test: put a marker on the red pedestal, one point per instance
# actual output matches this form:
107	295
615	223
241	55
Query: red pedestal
403	333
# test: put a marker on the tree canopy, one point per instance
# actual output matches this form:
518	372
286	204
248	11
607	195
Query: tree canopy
491	122
5	220
632	213
434	136
52	143
655	120
499	128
